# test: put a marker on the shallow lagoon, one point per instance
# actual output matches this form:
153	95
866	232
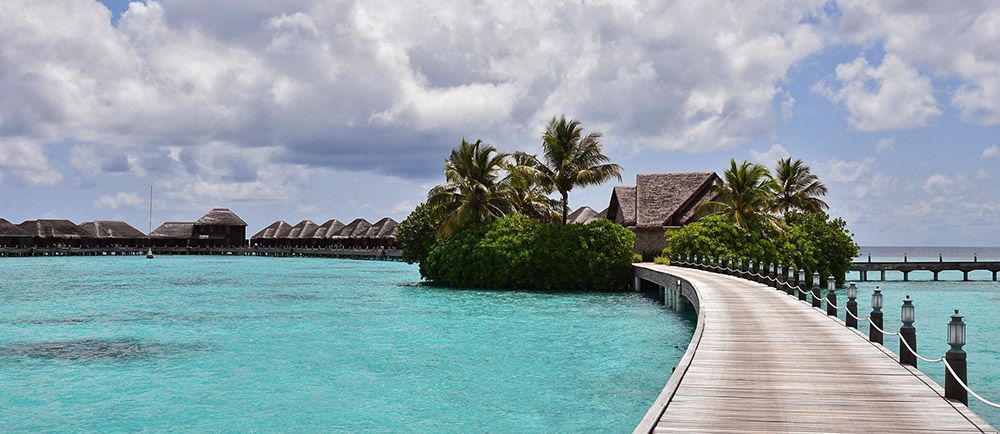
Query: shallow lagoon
297	344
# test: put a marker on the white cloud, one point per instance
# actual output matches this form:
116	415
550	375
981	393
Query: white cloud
950	39
770	156
940	183
27	161
845	171
993	151
886	144
891	96
880	185
120	200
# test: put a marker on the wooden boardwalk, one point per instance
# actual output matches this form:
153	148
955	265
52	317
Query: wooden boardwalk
761	361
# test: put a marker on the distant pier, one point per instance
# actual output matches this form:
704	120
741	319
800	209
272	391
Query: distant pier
934	267
372	254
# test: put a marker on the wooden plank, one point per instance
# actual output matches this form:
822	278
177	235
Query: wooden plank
766	362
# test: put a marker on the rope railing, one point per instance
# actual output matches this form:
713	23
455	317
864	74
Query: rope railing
954	378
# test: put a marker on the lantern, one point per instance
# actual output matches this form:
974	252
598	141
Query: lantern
852	292
956	332
907	312
831	284
802	277
877	300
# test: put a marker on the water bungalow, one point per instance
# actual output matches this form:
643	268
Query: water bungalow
351	234
302	233
659	202
114	233
172	234
381	234
325	233
13	236
267	237
220	228
56	233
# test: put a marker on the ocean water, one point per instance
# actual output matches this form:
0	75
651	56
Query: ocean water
978	301
244	344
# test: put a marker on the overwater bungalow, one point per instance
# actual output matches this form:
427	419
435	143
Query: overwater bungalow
13	236
657	203
219	228
115	233
325	233
302	233
380	234
350	236
267	237
172	234
56	233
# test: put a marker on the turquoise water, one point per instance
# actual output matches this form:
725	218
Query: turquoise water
978	301
223	344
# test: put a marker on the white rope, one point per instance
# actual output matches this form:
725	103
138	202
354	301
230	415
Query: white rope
880	329
908	347
967	389
856	317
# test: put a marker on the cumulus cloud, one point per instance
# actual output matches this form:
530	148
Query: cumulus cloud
845	171
770	156
952	40
390	87
27	161
890	96
120	200
940	183
992	151
885	144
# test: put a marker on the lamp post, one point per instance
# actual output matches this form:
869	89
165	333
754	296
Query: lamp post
955	357
831	297
739	266
907	333
780	278
770	275
816	302
789	278
730	266
801	284
876	317
851	319
763	273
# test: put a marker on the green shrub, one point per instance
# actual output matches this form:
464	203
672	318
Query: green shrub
521	253
417	234
810	241
636	258
662	260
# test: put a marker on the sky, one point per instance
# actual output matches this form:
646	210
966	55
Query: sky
318	109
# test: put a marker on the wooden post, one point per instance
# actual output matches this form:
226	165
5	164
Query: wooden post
907	333
679	297
663	295
994	276
831	297
816	301
906	276
850	319
956	358
638	284
965	276
882	277
801	283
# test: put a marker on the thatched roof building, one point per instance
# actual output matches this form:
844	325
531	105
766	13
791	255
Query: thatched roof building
271	230
659	201
381	228
329	229
582	215
220	228
114	229
52	228
174	230
10	230
355	229
304	229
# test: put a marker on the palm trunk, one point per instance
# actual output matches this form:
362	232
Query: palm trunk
565	205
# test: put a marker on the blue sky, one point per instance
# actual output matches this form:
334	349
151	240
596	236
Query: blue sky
341	109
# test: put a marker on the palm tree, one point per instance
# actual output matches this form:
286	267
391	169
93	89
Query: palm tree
474	191
743	195
796	187
572	159
526	193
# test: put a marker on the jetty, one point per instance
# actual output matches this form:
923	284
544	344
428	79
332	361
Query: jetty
375	254
935	267
762	360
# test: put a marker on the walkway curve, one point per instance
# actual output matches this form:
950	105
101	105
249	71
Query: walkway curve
762	361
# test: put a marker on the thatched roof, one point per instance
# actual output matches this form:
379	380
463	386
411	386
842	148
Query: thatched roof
304	229
356	228
10	230
381	228
602	215
221	216
46	228
111	229
660	199
582	215
271	229
173	230
328	229
622	207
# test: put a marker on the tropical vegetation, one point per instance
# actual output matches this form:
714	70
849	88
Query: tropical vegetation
777	218
493	223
